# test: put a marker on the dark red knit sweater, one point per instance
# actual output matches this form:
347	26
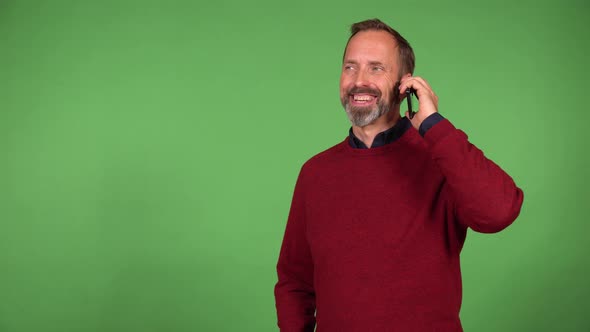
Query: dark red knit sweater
373	237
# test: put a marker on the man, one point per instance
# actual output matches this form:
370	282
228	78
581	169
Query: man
377	222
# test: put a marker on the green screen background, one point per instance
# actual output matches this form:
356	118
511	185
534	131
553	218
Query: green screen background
149	152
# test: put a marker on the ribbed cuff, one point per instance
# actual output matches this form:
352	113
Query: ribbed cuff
429	122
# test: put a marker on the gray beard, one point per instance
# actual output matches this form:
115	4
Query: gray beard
362	116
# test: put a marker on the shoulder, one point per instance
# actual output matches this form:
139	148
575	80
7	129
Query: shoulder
326	158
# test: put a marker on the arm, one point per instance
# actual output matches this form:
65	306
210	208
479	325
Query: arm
486	199
294	292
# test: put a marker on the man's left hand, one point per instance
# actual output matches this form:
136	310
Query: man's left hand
428	101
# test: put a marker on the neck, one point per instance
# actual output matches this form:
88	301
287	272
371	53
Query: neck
367	133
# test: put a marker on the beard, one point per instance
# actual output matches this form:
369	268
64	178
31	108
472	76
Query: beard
361	116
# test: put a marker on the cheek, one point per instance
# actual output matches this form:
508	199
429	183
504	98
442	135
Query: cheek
343	80
388	90
388	95
344	86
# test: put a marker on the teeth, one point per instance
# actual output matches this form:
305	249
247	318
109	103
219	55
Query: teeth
364	97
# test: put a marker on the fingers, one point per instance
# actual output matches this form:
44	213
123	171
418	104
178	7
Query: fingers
428	99
419	84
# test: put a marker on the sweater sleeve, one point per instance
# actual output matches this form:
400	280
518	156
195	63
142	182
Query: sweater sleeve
486	199
294	291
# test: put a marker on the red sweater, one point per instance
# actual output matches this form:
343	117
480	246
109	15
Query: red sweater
373	236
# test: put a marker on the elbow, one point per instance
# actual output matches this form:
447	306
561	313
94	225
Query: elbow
499	217
489	226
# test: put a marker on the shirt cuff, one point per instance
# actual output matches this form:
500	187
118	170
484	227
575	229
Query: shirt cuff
429	122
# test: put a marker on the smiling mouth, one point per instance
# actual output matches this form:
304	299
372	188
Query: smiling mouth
362	99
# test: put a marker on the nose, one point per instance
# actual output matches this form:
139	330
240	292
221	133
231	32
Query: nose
361	78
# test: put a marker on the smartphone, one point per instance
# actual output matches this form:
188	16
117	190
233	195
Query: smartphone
409	93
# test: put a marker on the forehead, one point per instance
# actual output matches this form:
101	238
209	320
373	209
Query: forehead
372	45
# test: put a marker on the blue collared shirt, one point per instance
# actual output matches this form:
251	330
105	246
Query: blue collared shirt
395	132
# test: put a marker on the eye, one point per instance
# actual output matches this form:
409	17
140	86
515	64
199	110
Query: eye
377	68
348	67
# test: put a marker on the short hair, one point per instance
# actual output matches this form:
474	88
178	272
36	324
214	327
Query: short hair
405	52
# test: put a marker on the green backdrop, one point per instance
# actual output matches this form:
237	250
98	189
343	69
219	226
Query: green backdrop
149	152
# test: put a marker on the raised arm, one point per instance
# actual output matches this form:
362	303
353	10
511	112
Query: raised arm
486	199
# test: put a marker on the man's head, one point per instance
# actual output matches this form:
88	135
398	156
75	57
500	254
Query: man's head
376	57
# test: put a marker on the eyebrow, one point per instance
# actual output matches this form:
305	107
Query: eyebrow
371	63
376	63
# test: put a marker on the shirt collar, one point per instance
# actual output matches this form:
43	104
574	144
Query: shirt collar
385	137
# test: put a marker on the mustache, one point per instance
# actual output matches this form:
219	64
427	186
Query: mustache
355	90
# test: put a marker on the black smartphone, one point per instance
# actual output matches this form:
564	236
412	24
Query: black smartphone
409	93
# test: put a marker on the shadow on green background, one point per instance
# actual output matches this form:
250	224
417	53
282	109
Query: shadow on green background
150	149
